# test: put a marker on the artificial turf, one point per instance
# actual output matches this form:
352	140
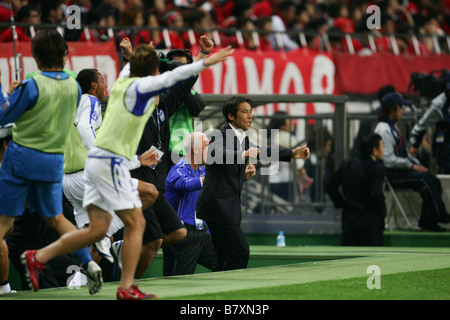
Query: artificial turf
412	285
332	273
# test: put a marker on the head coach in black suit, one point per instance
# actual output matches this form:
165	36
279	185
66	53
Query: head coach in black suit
229	163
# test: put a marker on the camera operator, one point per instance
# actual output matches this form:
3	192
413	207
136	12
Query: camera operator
437	114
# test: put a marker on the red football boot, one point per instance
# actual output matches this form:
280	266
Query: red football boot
133	294
32	268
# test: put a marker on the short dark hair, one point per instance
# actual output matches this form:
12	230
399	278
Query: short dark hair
48	48
385	90
180	53
232	105
85	77
49	5
25	12
144	61
369	143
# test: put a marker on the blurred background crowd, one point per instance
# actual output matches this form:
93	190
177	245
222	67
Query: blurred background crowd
405	26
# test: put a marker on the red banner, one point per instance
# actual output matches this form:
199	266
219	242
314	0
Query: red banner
365	75
101	56
296	72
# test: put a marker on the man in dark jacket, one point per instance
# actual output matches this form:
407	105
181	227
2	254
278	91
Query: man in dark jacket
219	202
362	197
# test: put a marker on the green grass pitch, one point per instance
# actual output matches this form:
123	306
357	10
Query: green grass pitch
332	273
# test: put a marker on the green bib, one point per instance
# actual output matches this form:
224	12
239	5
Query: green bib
75	152
45	126
121	130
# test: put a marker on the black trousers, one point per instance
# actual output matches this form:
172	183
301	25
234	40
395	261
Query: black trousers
430	189
362	230
444	166
196	248
231	246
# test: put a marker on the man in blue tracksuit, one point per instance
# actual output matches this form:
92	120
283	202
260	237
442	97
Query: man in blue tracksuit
183	183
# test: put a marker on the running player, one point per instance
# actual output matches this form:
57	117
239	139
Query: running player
108	181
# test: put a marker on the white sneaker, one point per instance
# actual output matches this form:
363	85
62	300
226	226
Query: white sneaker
6	289
94	277
103	248
117	251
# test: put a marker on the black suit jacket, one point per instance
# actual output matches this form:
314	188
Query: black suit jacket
362	193
220	198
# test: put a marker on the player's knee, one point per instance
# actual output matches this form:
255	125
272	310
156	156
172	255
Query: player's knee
153	246
135	222
97	231
148	193
55	222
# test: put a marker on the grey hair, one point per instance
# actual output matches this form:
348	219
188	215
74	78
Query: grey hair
193	139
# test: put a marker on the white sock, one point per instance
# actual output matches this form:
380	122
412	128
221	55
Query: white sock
5	288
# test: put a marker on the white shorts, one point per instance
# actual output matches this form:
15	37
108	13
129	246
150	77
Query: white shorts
73	187
109	185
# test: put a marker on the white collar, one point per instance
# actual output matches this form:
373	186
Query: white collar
240	134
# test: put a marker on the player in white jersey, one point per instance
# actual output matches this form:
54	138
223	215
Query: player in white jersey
108	181
88	120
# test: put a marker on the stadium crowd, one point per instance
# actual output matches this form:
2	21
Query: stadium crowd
307	23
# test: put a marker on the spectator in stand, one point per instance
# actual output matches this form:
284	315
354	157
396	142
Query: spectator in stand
266	8
303	18
247	26
156	7
151	20
242	9
133	17
357	12
340	14
26	14
224	10
272	9
398	12
382	37
112	6
265	24
96	18
172	38
51	12
288	13
197	19
6	10
430	29
319	42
